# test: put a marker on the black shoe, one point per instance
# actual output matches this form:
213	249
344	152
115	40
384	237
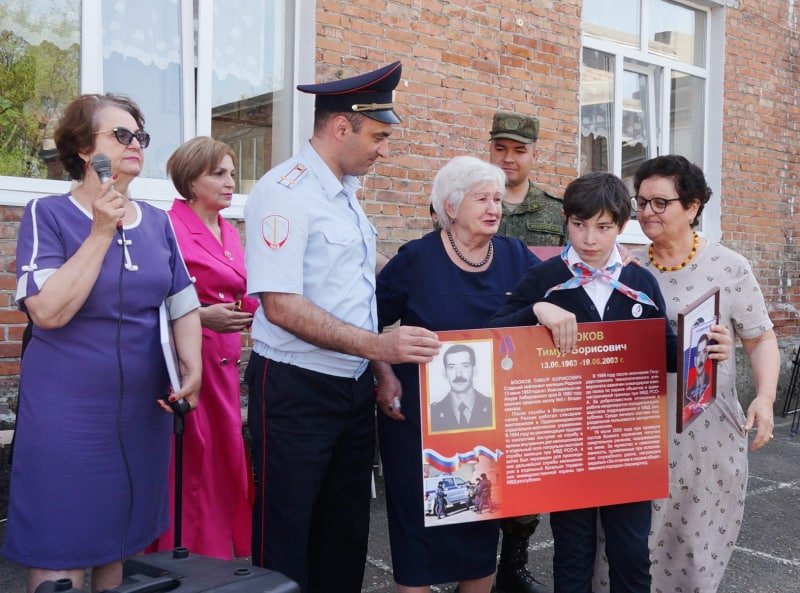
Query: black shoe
519	581
513	575
528	584
535	587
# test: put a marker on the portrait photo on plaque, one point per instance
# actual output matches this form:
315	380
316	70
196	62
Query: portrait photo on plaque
697	373
460	387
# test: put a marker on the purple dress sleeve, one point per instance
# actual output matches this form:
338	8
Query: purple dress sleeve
40	252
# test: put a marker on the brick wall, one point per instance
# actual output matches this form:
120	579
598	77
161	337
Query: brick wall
461	63
464	59
12	321
761	135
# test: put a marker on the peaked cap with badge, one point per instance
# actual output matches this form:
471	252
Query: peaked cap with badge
515	126
369	94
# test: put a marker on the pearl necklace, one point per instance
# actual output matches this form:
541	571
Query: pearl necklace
464	259
680	266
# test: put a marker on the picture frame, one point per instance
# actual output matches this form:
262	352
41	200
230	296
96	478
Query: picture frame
697	374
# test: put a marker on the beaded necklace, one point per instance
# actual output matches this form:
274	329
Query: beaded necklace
680	266
464	259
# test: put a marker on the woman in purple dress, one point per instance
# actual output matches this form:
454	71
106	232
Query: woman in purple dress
90	473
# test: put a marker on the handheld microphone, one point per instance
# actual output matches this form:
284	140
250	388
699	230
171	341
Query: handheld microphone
102	166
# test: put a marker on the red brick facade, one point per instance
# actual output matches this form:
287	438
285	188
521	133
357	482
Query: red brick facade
761	144
463	60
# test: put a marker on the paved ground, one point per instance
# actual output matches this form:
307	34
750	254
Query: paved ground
766	560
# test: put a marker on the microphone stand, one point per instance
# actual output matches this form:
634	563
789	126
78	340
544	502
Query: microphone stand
179	408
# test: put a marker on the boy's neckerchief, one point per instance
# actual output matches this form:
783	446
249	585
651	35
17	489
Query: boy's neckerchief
583	274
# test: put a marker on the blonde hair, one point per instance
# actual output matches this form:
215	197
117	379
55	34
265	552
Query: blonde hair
193	159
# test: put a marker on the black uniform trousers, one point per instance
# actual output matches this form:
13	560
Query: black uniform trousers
313	445
626	527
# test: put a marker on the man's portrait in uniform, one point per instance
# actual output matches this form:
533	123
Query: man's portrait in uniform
464	406
699	384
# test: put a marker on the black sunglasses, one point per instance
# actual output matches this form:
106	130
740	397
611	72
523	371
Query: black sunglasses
125	136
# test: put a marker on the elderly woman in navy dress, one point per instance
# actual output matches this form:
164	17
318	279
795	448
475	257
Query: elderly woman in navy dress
89	480
455	277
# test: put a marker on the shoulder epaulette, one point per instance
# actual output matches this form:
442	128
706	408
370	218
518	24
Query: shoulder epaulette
293	176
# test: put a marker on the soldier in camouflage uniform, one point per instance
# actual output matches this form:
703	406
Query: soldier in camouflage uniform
537	218
528	212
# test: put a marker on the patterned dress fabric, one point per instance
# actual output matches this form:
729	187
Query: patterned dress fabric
694	530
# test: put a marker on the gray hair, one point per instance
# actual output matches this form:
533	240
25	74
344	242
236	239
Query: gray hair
456	178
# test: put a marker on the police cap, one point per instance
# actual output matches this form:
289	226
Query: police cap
369	94
514	126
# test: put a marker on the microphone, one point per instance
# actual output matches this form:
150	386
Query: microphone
102	166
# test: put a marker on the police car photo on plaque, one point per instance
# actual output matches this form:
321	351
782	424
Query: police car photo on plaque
460	387
697	373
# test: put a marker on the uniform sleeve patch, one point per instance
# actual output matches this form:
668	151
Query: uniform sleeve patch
275	231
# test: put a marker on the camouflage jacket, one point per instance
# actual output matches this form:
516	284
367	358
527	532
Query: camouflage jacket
537	220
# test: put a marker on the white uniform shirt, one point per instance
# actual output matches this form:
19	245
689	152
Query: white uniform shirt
307	234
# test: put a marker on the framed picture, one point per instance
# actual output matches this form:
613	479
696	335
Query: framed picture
697	374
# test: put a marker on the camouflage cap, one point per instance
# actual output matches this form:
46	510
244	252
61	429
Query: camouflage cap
521	128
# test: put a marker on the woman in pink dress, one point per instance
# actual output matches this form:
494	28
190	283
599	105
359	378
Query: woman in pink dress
216	470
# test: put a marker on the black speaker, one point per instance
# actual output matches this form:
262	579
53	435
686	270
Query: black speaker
183	572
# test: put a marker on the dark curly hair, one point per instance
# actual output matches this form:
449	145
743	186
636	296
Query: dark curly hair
689	180
75	131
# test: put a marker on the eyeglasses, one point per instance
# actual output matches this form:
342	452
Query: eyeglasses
125	136
657	205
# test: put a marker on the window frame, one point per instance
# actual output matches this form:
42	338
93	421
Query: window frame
628	57
195	105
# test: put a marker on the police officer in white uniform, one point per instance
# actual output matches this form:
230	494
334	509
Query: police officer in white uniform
310	256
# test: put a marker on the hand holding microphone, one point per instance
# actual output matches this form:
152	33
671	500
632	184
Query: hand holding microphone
108	207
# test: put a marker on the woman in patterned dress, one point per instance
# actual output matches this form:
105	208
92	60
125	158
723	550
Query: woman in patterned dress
694	530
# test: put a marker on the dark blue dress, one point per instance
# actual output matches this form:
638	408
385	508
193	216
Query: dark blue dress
421	286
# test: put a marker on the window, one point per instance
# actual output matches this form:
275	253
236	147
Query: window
196	67
251	90
141	53
39	74
644	81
